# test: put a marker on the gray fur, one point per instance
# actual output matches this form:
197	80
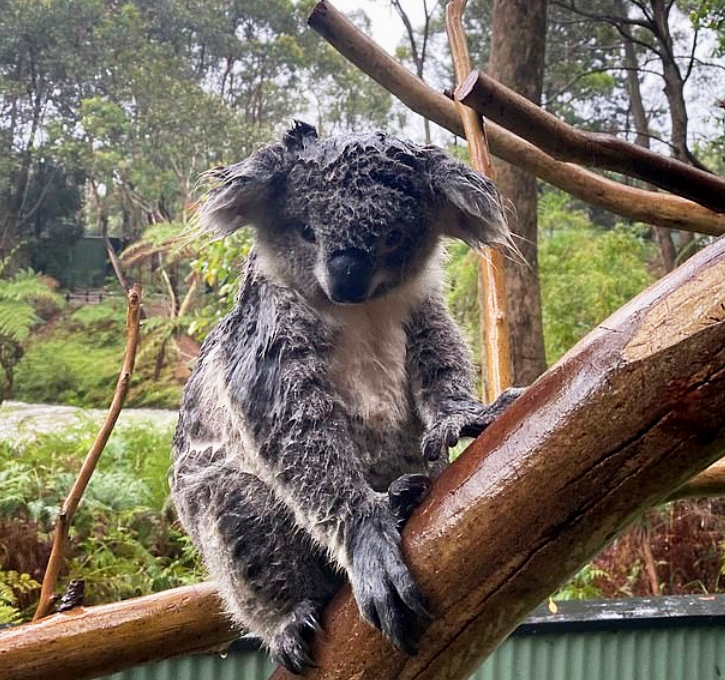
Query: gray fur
338	371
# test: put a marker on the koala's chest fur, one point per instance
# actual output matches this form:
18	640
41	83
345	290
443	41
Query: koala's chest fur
368	372
368	365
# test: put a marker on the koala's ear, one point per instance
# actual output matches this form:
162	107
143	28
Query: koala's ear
471	208
242	191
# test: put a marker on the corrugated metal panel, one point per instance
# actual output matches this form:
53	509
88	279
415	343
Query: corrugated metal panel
666	654
233	666
693	653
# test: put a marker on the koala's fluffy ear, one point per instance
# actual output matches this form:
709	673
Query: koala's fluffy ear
471	206
242	191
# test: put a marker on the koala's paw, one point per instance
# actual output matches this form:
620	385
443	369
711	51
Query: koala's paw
405	494
384	589
290	646
463	418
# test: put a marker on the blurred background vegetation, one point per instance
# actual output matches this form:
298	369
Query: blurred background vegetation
109	113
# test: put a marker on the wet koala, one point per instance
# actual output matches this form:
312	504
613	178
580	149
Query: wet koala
323	404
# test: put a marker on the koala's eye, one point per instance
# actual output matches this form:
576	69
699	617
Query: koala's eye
307	233
393	238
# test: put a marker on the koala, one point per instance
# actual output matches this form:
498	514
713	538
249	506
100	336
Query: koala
323	404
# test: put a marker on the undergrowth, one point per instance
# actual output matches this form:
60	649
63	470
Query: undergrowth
76	360
124	541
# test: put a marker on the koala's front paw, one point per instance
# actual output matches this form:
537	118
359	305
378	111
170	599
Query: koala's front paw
384	589
463	418
290	647
405	494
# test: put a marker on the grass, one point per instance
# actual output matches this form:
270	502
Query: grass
75	360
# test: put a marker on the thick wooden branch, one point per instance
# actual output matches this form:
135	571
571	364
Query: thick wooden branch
660	210
626	417
93	641
566	143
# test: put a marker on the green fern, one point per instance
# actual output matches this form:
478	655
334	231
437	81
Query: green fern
20	295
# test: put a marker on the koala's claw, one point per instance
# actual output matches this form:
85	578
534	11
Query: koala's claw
290	647
384	589
463	418
405	494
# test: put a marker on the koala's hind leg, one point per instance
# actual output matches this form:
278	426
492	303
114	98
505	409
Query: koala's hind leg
271	577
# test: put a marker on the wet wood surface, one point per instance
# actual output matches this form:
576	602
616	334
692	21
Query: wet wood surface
567	143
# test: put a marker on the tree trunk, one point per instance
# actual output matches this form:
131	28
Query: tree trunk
517	60
668	254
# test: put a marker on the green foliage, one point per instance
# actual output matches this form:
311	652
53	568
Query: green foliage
583	586
77	361
585	274
124	541
219	265
21	294
12	584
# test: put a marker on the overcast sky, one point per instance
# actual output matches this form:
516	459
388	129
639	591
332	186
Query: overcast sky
387	27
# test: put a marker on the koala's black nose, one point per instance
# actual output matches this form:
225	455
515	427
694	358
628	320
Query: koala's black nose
350	272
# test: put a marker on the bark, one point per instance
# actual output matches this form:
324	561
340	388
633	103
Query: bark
626	417
518	42
565	142
672	212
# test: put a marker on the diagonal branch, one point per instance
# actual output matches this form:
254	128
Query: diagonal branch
566	143
63	523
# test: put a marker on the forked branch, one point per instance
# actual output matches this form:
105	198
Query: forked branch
566	143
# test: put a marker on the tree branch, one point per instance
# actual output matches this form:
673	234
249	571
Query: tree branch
566	143
628	415
636	204
494	322
63	523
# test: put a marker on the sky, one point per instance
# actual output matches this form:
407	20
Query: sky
387	27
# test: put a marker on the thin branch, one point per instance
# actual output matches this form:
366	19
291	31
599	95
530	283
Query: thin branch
709	483
496	340
661	210
63	523
564	142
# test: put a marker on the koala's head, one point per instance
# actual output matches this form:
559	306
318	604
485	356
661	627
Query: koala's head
350	218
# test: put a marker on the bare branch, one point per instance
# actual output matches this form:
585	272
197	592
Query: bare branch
564	142
496	339
63	523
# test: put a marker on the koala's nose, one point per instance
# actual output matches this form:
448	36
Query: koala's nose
350	272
